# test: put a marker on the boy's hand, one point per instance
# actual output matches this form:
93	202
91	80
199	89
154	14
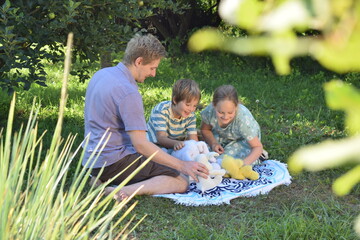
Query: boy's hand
179	145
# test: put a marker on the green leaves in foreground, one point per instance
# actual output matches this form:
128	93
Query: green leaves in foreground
340	96
35	200
333	153
280	29
39	200
327	30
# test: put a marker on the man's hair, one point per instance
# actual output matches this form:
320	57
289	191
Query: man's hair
225	92
146	46
185	89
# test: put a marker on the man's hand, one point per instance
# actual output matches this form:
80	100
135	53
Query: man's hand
195	169
179	145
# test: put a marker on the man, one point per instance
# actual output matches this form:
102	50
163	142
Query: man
114	107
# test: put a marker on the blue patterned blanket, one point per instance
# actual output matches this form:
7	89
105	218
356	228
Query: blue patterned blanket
272	173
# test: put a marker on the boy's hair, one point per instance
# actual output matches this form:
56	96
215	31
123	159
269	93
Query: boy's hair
185	89
225	92
146	46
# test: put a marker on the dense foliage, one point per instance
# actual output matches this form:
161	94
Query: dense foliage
34	30
31	31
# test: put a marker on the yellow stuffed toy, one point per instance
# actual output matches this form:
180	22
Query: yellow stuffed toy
235	168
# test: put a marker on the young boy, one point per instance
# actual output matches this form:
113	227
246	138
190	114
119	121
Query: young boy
172	122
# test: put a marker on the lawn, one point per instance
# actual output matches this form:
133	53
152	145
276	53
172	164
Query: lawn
291	112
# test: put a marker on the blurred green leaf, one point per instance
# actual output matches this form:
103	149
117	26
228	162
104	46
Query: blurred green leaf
338	52
343	185
328	154
248	13
205	39
274	21
281	48
341	96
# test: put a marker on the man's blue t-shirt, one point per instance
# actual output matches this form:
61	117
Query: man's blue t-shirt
112	103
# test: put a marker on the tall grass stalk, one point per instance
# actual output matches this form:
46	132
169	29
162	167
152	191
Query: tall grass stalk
37	199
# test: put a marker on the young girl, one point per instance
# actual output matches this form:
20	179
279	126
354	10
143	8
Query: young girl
172	122
229	128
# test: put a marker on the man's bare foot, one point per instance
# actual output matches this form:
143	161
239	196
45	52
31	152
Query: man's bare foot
94	182
119	196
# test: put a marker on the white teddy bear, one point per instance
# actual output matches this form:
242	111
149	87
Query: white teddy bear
198	151
215	174
191	149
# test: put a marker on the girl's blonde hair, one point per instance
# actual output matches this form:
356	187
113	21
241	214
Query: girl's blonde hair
225	92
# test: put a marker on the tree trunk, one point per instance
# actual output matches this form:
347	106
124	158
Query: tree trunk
185	20
106	59
160	25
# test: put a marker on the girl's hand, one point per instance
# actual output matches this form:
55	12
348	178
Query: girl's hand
217	148
179	145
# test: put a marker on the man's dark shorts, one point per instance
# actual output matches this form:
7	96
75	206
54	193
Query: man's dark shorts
151	169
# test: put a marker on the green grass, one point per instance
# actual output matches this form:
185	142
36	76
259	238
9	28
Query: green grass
291	112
